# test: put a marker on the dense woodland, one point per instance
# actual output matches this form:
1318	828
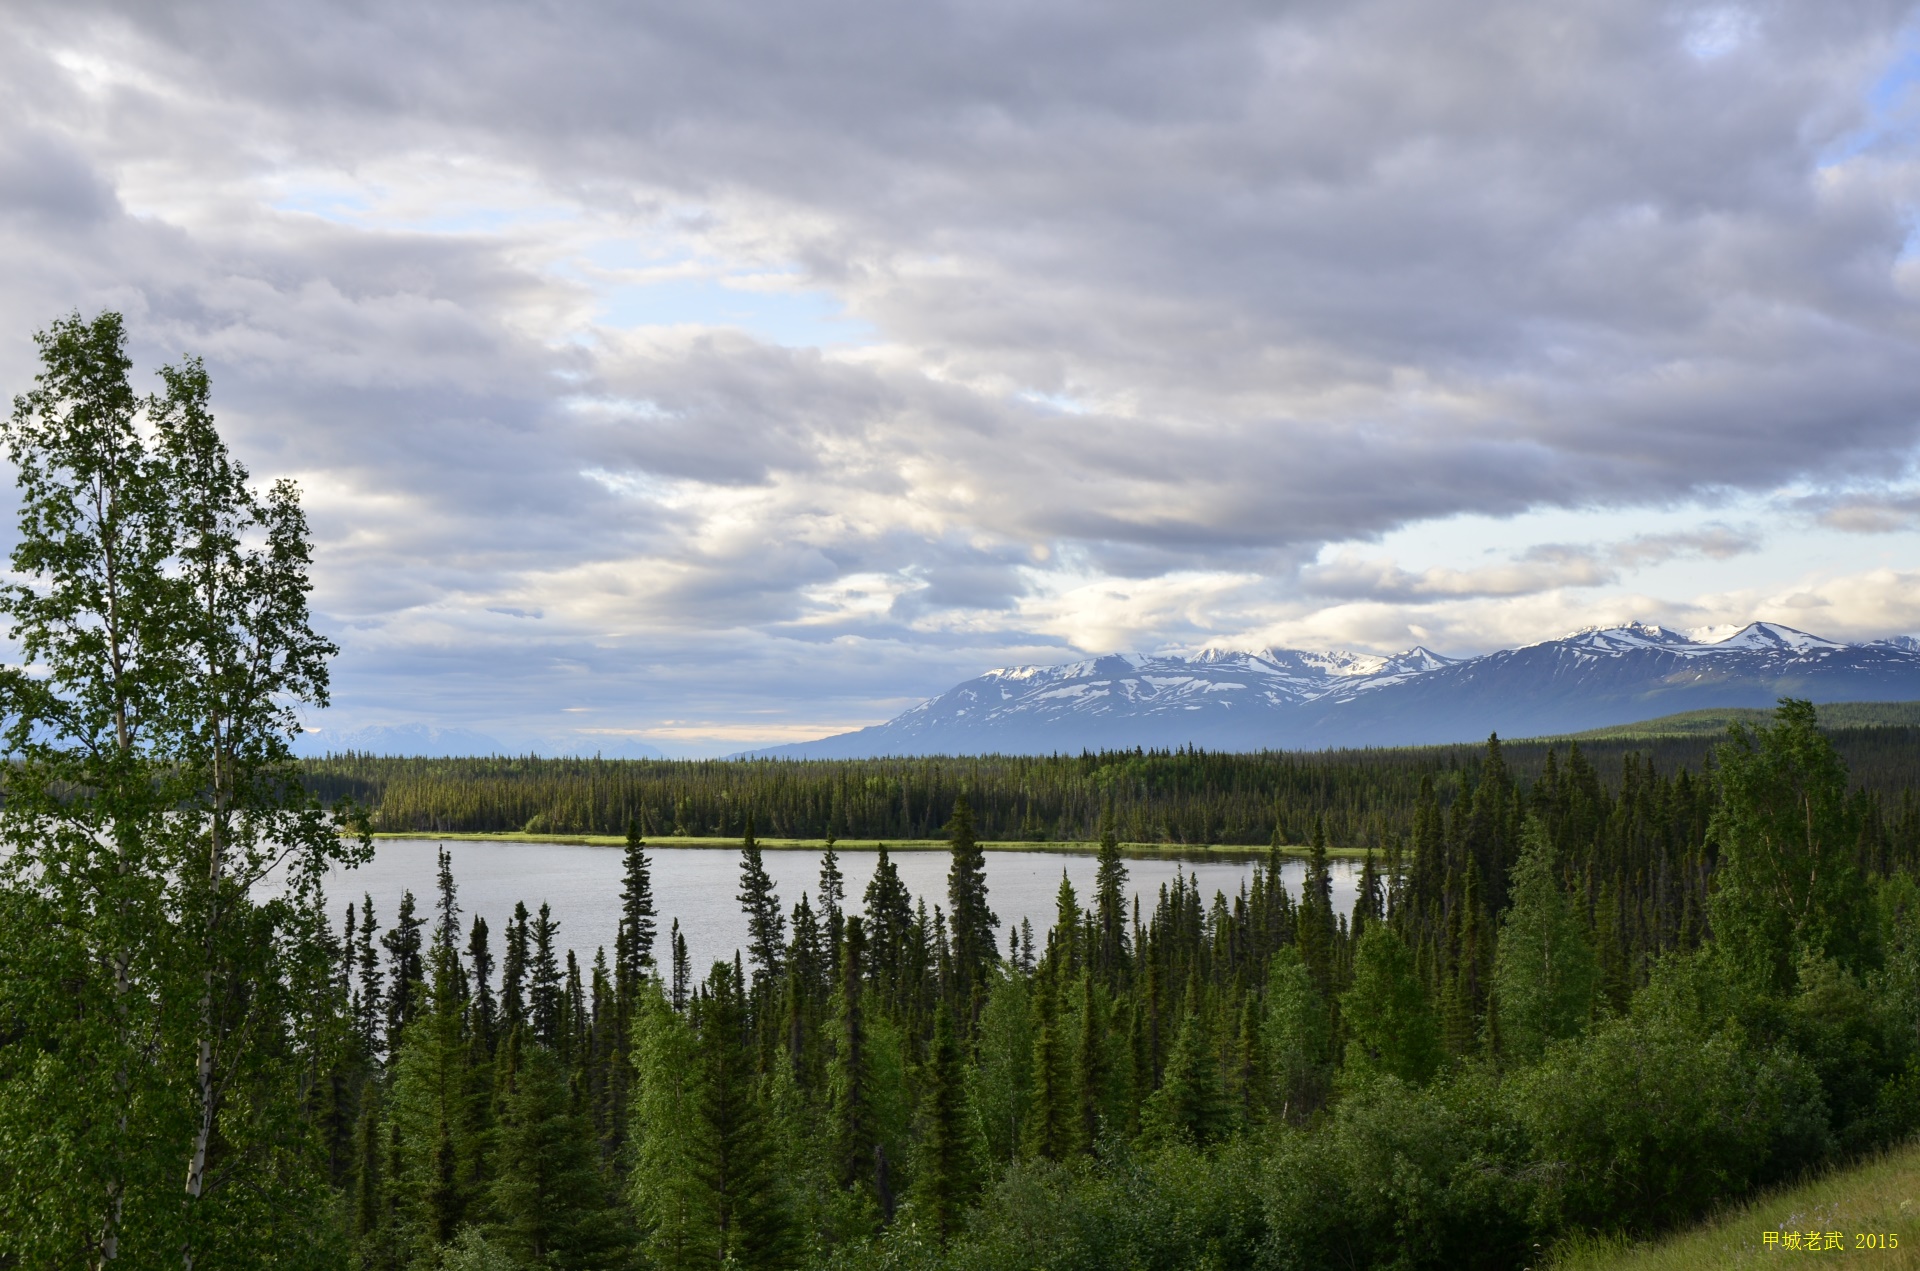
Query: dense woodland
1578	994
1526	1027
1364	798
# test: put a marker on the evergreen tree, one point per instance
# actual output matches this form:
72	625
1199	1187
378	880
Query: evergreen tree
513	971
408	971
947	1172
369	1000
766	924
545	989
549	1200
1386	1011
854	1135
1545	975
430	1114
682	969
670	1196
1110	908
975	947
633	940
1787	885
750	1217
484	1015
1053	1117
1192	1102
1297	1036
833	904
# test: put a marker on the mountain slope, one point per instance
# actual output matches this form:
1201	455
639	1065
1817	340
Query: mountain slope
1285	698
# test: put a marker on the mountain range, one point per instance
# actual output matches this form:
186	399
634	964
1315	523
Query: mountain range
1220	699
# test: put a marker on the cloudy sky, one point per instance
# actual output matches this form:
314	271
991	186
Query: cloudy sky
707	374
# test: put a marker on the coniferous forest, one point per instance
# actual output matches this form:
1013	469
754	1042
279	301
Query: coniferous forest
1567	1000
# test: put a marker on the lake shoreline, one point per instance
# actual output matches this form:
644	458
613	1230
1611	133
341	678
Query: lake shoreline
1132	851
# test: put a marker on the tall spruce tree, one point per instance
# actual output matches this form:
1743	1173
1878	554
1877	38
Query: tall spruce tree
947	1173
766	924
971	920
546	990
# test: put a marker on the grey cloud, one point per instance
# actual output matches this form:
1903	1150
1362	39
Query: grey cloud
1865	512
1316	272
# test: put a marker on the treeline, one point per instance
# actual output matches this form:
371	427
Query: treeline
1363	797
1558	1007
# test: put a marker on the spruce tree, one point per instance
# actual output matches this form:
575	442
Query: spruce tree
1544	972
513	971
406	969
975	947
429	1114
545	989
682	969
633	940
766	924
484	1013
853	1130
1110	908
1387	1012
750	1216
947	1173
549	1202
369	998
675	1207
1192	1102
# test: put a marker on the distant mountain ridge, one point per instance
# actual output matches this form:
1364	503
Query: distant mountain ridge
1221	699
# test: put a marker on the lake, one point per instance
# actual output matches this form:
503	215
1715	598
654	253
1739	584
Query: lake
698	886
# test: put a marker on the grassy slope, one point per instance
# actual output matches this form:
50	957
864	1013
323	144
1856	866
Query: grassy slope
1880	1196
1713	722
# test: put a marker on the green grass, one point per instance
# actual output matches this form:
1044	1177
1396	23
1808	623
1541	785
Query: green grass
1880	1196
1171	851
1714	722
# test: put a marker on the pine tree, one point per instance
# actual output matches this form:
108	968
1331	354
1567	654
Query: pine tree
633	940
1192	1102
766	924
1052	1120
947	1173
1110	908
429	1113
853	1130
1386	1011
670	1196
751	1221
1544	972
484	1015
408	971
513	972
682	969
544	985
833	904
1091	1069
975	947
549	1200
369	1003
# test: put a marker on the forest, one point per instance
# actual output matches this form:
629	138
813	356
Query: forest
1574	995
1363	798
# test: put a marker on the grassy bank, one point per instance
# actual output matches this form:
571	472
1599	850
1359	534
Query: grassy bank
1878	1198
1137	851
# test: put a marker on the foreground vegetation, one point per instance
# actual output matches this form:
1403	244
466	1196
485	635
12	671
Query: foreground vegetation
1869	1207
1569	1001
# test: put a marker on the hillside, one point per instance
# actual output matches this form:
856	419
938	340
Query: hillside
1876	1198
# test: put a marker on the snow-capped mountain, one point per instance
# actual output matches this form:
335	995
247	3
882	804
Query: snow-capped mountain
1222	699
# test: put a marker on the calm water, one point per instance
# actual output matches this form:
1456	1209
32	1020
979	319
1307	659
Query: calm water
698	886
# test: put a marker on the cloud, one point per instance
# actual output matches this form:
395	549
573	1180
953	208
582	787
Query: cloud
1539	568
1864	512
1144	307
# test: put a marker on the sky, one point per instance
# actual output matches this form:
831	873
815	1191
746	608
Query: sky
704	376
